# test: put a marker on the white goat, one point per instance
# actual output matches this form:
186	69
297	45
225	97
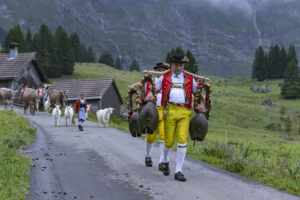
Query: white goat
47	105
88	107
103	116
69	115
56	113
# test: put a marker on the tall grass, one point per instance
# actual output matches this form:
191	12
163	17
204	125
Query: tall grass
15	132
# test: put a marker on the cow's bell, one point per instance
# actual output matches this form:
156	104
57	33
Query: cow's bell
198	127
134	125
148	118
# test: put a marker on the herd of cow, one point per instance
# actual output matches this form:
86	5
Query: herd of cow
33	100
54	101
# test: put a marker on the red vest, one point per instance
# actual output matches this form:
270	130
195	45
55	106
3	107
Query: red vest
77	105
167	85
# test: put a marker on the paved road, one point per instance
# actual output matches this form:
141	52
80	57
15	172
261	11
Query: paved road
106	163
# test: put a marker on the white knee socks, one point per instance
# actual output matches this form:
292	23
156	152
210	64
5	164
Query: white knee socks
181	151
166	153
148	148
161	151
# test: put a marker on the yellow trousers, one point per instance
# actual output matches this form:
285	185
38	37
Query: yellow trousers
177	120
160	129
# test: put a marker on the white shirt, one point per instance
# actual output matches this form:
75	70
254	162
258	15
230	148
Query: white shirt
158	95
176	94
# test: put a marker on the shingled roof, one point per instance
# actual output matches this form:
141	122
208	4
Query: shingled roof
92	89
10	67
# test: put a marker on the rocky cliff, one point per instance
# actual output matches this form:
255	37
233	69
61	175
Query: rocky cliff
222	35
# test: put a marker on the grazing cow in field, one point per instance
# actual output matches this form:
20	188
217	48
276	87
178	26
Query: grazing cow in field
7	97
30	99
69	115
103	116
88	107
56	113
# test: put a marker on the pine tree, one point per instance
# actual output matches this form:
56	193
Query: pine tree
76	47
2	35
16	35
283	61
274	62
118	64
84	53
64	52
177	51
43	43
191	66
292	55
259	65
169	56
28	41
107	59
90	55
291	86
134	66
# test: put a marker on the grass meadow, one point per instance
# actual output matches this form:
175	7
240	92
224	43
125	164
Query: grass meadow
15	132
244	137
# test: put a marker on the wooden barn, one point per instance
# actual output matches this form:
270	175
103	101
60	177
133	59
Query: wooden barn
19	69
100	93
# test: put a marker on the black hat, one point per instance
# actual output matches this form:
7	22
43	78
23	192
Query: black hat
165	66
179	59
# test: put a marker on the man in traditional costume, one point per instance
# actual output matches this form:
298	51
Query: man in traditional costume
81	108
177	89
160	67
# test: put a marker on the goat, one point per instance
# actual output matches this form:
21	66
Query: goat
69	115
56	113
103	116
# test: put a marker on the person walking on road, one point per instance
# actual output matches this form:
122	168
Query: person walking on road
81	109
160	67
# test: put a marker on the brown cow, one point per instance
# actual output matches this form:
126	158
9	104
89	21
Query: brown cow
30	99
58	97
7	97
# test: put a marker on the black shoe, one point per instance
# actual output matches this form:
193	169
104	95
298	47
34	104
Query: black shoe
160	168
179	177
165	169
148	161
79	127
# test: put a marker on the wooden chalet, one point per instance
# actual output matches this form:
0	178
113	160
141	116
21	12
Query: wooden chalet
100	93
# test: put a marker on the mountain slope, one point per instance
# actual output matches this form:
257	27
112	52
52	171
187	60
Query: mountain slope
222	36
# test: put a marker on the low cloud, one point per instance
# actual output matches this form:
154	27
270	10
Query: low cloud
244	5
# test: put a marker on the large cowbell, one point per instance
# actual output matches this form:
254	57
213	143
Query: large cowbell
148	118
134	125
198	127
